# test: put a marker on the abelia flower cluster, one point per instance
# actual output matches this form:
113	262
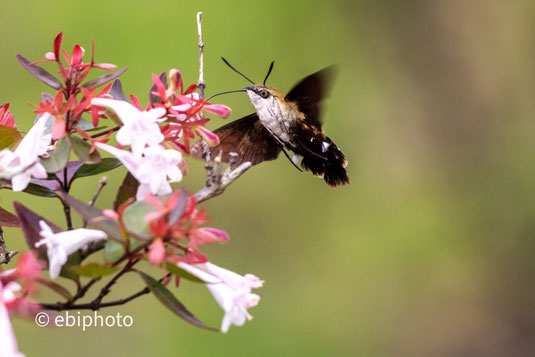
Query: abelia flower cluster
185	111
153	143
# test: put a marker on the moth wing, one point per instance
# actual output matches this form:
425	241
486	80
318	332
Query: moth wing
309	92
247	137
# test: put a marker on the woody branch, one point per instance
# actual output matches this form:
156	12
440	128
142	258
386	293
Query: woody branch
216	180
5	255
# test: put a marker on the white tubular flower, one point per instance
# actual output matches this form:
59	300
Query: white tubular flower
231	291
22	164
8	342
140	127
152	169
158	165
60	245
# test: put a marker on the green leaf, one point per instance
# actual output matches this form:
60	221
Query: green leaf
93	270
89	213
9	137
182	273
106	164
38	190
74	260
87	126
127	190
33	189
134	217
171	302
84	125
57	159
82	149
113	251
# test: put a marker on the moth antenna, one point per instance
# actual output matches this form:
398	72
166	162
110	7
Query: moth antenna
230	91
269	71
235	70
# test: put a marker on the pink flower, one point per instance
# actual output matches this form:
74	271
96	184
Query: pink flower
164	208
210	138
186	102
231	291
206	235
218	109
26	272
157	252
8	342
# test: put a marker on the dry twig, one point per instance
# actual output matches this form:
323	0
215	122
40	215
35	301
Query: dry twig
217	180
5	255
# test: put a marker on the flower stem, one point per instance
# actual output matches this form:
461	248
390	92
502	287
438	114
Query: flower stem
66	207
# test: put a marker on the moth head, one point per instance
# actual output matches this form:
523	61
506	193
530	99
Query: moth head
263	96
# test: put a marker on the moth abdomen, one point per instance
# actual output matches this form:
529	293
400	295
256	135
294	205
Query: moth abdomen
324	159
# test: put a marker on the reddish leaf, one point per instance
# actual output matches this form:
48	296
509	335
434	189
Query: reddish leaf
116	91
72	168
103	79
177	211
8	219
29	221
89	213
127	189
46	97
55	287
39	73
51	183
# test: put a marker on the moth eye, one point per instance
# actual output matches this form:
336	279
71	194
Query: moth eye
264	93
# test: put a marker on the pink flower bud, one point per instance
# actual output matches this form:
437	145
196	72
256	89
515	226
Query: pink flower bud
175	80
218	109
106	66
210	138
157	252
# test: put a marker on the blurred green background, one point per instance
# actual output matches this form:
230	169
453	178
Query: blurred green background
429	251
